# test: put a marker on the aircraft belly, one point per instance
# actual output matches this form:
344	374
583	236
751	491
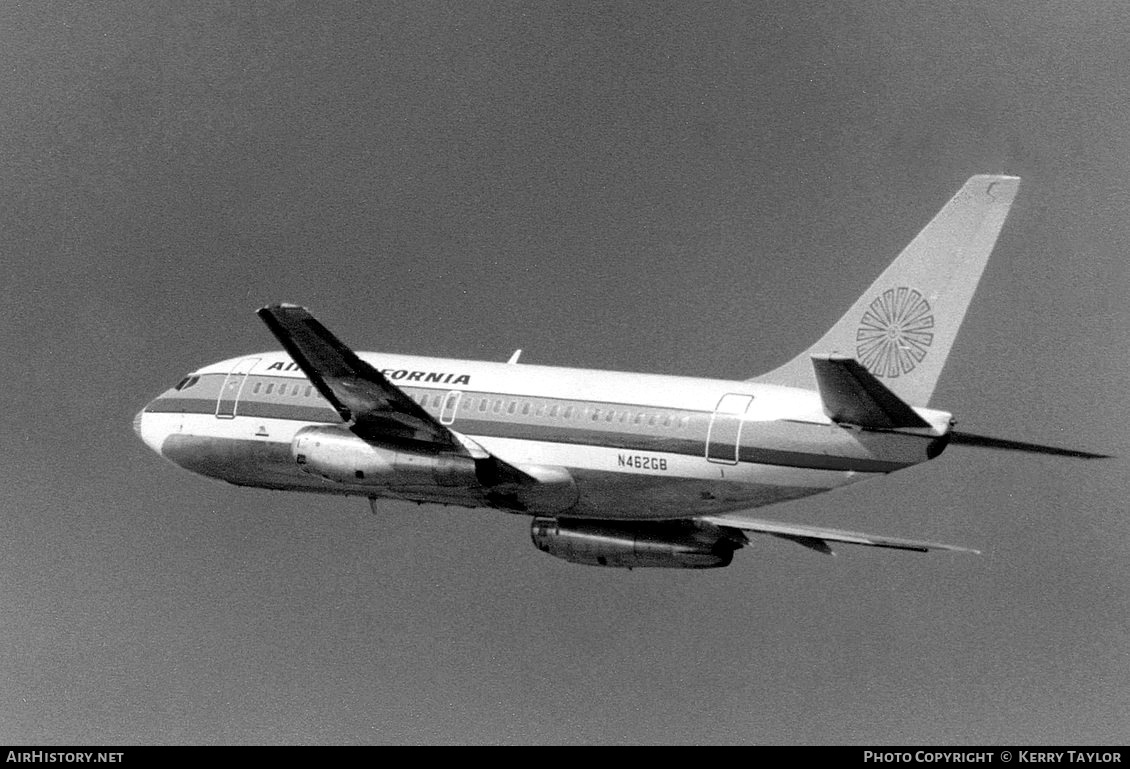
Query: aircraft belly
257	452
240	461
612	483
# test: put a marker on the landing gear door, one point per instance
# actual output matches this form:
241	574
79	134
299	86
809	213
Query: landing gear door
232	387
725	432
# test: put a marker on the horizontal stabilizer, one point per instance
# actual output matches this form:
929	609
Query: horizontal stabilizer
817	537
852	395
985	442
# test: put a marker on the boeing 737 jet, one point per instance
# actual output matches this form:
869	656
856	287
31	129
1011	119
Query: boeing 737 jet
615	469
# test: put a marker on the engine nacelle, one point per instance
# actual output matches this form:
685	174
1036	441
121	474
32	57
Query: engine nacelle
339	455
636	544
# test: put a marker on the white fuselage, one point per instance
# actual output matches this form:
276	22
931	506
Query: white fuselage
638	446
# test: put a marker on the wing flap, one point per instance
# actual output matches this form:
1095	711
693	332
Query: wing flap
818	537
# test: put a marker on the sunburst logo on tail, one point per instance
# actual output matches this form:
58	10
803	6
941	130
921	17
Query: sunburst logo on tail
895	334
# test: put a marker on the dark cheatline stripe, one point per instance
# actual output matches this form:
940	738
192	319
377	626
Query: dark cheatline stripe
175	405
670	445
292	411
246	408
556	433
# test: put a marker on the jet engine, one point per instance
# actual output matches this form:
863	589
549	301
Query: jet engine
339	455
637	544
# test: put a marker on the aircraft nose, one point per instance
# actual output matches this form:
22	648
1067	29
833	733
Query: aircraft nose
147	431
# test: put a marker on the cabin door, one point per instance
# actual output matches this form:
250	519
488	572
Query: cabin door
232	387
725	432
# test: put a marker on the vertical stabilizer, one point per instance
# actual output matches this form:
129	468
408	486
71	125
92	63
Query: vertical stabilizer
903	326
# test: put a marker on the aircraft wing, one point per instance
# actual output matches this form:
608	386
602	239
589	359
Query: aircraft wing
817	537
375	409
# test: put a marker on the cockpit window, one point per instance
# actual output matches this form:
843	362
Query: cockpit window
187	382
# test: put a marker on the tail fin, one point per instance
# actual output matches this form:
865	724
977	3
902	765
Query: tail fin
903	327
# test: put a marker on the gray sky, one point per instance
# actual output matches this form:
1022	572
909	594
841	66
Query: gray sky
680	188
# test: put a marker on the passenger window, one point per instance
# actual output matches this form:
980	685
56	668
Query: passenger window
568	412
497	406
595	414
510	408
257	387
436	400
483	404
526	408
309	388
609	416
553	411
270	388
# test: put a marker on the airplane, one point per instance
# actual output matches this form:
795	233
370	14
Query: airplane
615	469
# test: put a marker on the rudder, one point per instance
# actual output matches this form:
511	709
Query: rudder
902	328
